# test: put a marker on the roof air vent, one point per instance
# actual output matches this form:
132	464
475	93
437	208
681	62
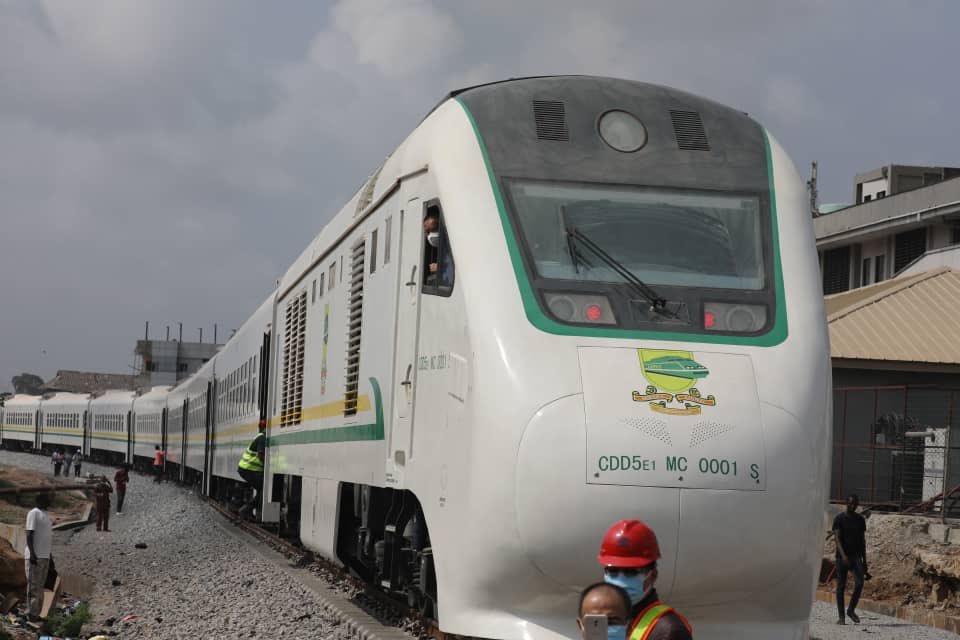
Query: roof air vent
551	120
688	128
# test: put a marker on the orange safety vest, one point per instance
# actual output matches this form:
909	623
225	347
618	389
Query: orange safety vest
648	619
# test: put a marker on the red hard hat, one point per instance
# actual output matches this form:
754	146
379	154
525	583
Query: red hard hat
629	543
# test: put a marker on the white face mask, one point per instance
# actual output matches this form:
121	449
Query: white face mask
433	238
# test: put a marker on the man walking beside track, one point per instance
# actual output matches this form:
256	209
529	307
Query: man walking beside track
37	554
849	531
121	478
102	496
158	463
67	463
629	554
250	467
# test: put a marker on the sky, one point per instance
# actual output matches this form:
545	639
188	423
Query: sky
166	160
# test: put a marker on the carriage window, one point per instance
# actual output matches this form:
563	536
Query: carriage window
373	251
438	267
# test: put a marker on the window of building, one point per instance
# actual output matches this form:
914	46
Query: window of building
438	266
373	251
955	234
836	270
867	198
881	194
908	246
322	278
386	240
879	268
313	291
333	275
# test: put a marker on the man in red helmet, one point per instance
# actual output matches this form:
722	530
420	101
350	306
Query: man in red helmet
629	554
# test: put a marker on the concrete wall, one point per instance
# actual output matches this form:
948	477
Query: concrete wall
872	187
945	257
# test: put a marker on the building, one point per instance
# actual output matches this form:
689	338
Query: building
897	178
904	215
90	382
166	362
895	347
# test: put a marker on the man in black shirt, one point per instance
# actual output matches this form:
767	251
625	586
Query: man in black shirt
849	531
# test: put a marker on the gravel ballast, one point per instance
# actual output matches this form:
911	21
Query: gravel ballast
823	626
193	579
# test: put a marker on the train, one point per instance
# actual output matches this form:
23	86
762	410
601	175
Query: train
561	301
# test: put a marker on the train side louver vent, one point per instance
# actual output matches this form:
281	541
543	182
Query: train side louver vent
294	346
551	120
354	328
688	128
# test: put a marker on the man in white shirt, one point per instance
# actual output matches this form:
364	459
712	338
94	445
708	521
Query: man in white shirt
37	554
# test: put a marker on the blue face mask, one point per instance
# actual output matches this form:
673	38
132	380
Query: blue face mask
633	585
616	632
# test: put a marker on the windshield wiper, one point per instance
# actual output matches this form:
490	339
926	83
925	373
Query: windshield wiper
638	286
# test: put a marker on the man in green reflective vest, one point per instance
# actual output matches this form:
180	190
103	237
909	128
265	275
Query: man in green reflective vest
250	468
628	555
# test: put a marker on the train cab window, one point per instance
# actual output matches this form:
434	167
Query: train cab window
438	266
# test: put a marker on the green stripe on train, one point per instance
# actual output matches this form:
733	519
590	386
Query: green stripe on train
352	433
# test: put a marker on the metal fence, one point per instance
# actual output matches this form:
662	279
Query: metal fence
897	447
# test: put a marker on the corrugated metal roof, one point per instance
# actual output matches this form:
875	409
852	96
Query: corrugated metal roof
913	319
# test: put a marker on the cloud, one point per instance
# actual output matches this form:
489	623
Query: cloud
398	37
791	101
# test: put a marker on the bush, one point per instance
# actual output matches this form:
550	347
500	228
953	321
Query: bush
70	625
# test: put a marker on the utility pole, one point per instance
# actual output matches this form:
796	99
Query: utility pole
812	188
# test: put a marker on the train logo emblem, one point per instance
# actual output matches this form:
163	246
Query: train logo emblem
672	376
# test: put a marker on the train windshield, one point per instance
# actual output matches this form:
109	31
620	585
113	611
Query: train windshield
673	238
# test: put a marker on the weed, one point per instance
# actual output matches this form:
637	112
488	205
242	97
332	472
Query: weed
69	625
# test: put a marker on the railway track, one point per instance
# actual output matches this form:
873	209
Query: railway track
385	609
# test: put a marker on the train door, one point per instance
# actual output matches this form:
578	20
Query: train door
211	415
38	430
87	428
130	436
408	324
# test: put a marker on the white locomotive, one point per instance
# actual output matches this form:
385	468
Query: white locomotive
597	322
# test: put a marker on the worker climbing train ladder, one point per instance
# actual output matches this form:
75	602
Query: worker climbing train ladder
250	468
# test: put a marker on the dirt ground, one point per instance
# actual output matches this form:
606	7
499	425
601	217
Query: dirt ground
892	543
66	505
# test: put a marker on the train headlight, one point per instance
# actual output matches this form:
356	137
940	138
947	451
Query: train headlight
737	318
622	131
575	307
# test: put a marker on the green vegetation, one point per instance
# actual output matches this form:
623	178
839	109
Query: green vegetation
68	626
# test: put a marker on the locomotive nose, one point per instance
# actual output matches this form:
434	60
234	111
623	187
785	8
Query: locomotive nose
650	424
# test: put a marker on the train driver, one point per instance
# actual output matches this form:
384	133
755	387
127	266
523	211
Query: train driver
629	554
438	263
